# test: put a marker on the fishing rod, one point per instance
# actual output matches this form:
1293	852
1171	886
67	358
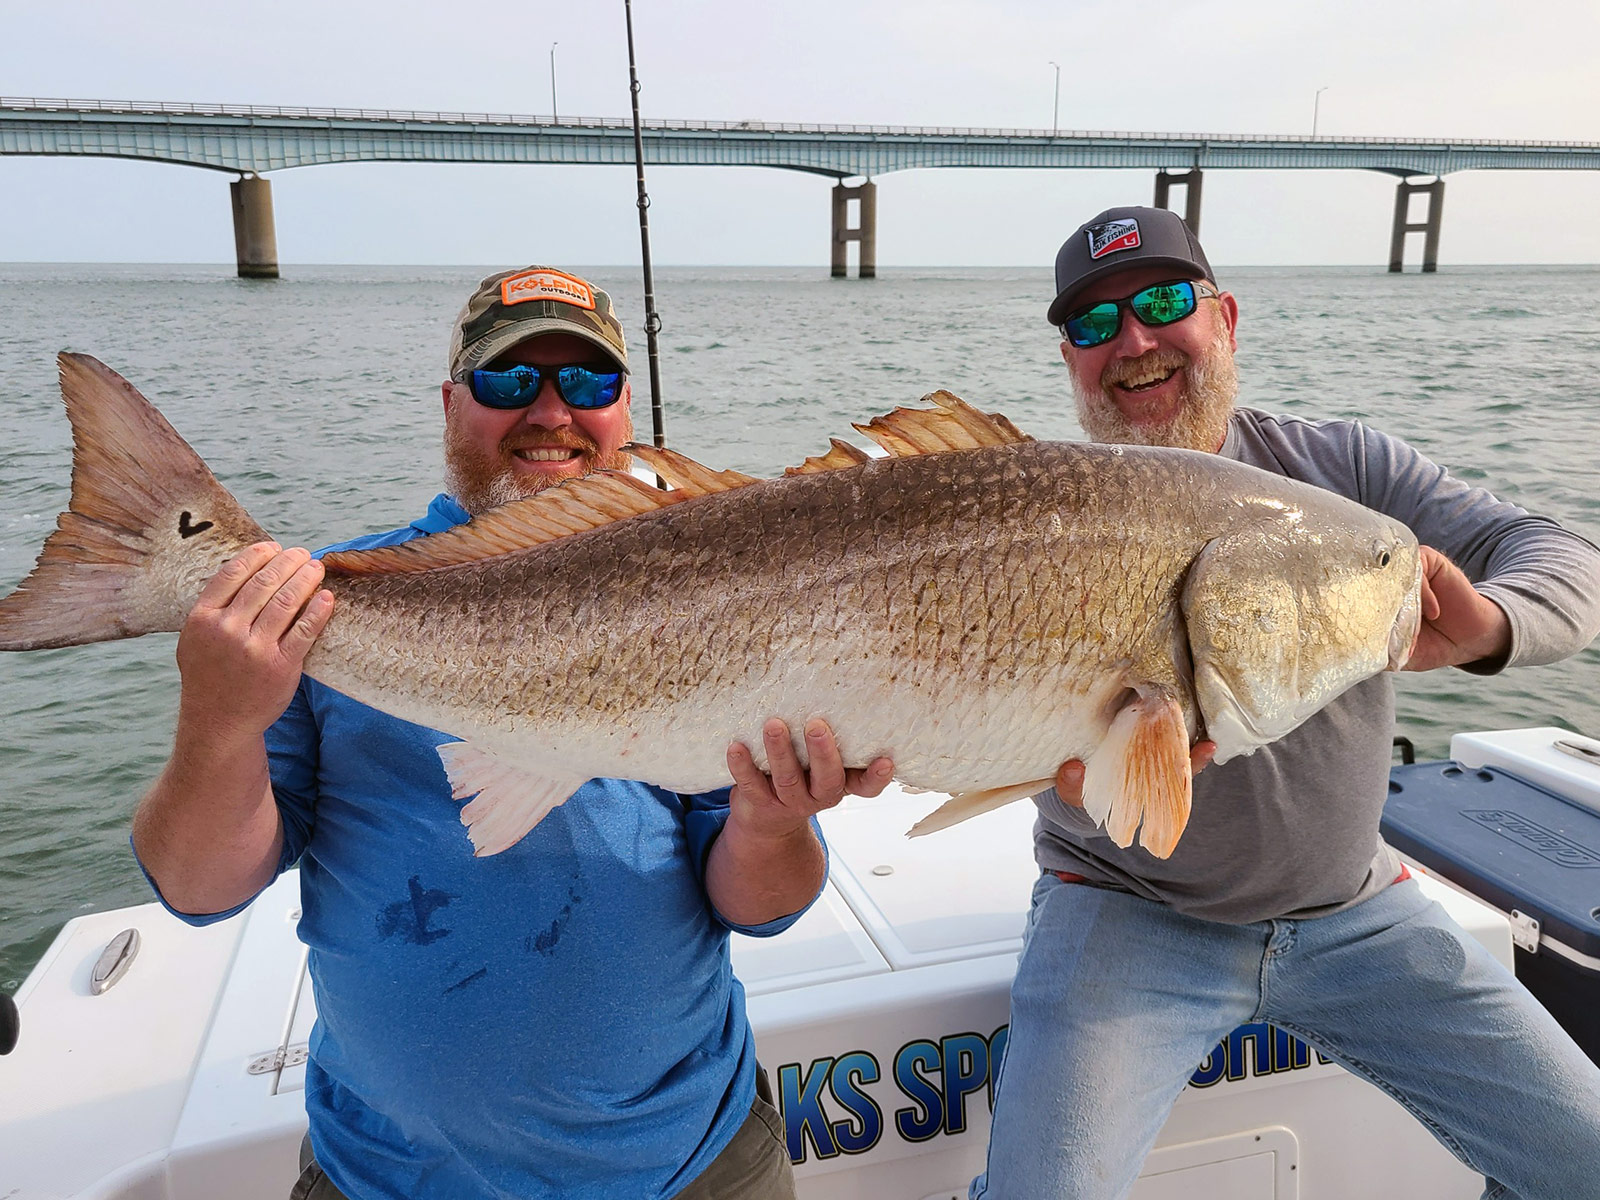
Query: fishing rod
652	319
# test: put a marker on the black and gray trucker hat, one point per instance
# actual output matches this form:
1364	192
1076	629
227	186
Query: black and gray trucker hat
1118	239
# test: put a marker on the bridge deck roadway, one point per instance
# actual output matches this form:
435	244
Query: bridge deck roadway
246	139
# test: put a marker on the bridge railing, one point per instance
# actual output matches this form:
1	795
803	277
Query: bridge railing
172	108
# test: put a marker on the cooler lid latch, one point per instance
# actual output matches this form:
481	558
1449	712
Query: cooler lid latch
1525	931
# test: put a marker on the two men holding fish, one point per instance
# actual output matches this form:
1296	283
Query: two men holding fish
1280	903
557	1016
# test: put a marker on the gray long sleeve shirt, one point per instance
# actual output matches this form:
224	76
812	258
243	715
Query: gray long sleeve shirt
1292	830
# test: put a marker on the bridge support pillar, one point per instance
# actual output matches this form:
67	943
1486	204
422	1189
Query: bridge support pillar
255	242
1191	181
1429	226
865	232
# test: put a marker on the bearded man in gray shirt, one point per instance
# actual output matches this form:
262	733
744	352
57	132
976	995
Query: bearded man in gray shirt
1281	903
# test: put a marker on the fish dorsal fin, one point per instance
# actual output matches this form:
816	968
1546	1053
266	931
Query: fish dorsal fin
686	475
952	424
587	503
843	454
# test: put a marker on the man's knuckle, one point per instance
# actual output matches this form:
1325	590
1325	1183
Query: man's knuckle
260	653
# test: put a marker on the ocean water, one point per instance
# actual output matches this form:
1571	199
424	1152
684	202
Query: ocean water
315	398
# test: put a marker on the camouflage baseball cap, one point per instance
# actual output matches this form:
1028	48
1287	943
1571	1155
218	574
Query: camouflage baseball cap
510	307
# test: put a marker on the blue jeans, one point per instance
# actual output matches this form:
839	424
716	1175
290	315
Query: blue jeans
1117	999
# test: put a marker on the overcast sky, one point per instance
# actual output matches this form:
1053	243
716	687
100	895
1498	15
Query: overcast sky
1457	68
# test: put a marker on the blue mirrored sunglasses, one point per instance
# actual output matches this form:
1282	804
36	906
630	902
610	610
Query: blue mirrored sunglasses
1159	304
516	387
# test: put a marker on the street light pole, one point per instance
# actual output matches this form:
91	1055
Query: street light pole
1316	102
555	120
1055	118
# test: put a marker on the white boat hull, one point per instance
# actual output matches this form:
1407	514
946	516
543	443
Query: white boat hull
876	1016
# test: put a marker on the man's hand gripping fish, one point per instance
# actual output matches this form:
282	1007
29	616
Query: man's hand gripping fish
978	605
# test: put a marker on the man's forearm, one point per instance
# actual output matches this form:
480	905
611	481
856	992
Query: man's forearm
753	879
208	831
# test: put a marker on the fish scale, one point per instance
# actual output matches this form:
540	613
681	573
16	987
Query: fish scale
530	614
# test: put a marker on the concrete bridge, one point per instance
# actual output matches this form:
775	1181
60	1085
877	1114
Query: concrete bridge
249	140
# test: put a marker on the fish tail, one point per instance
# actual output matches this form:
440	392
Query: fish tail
147	526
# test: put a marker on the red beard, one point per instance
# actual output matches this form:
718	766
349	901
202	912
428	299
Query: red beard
481	481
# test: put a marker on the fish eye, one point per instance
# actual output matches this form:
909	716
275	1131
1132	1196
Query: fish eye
1383	556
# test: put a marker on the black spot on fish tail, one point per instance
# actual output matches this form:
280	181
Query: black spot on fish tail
186	530
470	979
411	917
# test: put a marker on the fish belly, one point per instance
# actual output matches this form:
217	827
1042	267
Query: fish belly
943	734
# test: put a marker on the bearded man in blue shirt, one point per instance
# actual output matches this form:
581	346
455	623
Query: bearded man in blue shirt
560	1019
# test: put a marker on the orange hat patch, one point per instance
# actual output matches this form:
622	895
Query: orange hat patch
546	285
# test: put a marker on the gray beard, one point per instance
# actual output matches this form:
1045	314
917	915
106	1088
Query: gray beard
1202	422
479	496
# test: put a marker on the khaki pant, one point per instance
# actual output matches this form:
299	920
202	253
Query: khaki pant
754	1166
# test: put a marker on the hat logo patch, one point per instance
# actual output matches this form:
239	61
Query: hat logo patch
546	285
1109	238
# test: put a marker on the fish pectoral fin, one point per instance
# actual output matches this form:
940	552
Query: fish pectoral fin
951	424
1140	778
510	799
963	805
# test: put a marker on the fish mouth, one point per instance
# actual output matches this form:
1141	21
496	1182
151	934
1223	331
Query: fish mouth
1407	625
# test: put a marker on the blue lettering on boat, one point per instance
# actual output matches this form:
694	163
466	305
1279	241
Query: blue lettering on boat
938	1077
